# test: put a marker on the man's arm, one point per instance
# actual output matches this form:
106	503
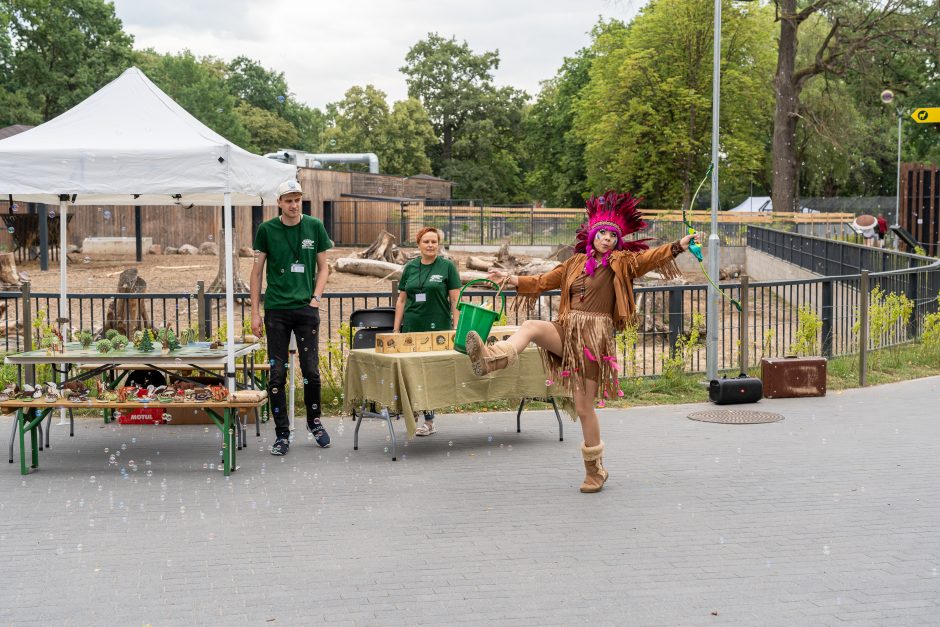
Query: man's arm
323	273
257	271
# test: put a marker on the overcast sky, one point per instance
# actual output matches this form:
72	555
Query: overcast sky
326	47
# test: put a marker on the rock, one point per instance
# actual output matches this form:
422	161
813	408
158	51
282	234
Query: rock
246	251
169	250
74	248
187	249
156	249
731	271
209	248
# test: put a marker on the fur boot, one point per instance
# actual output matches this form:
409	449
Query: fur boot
486	359
595	475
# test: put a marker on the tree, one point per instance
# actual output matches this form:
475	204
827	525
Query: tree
645	114
362	122
358	120
856	29
407	137
268	130
478	125
197	85
267	90
555	151
62	51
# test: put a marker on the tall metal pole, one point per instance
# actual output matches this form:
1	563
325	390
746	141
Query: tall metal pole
897	199
711	311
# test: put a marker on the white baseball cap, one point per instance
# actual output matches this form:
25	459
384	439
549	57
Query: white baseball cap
289	187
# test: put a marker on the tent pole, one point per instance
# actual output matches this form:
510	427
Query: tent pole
229	294
64	327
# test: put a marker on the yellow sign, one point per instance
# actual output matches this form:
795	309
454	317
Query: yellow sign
926	116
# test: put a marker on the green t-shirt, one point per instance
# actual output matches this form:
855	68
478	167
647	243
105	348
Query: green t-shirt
287	247
434	281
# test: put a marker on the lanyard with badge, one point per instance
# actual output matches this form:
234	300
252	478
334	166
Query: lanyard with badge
296	266
421	296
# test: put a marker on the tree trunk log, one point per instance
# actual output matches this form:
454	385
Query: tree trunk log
8	274
128	315
482	263
386	270
383	248
218	283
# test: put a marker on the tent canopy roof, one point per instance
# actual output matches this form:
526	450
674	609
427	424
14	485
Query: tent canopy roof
131	144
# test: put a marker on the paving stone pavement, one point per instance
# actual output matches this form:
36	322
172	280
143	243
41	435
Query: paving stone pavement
828	517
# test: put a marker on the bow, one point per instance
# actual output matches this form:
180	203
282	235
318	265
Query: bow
695	248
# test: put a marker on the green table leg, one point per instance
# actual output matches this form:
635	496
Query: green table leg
224	424
24	425
20	427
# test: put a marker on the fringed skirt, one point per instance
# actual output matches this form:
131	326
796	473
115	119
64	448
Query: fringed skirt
589	352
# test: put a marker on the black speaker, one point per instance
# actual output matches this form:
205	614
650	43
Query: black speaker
741	389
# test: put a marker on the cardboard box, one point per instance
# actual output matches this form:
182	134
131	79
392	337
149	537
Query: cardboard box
423	342
386	342
440	340
500	333
406	342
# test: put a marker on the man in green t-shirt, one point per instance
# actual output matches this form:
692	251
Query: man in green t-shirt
293	246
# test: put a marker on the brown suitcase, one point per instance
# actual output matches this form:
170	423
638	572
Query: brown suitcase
792	377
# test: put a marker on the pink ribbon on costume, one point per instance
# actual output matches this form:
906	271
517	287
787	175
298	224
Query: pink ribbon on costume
591	264
566	373
613	362
588	354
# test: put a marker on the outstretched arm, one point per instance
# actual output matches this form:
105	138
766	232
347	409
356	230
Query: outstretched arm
531	285
661	258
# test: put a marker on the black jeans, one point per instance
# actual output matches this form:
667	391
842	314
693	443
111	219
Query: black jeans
305	325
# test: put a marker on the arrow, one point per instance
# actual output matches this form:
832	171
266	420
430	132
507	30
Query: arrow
926	116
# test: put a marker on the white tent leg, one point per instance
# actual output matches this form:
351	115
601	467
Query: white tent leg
229	295
291	356
64	327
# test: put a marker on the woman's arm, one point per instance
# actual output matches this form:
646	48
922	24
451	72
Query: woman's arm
399	311
531	285
454	298
662	257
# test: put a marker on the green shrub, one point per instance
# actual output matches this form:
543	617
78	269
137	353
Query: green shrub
104	346
805	340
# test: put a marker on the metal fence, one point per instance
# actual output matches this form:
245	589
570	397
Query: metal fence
768	327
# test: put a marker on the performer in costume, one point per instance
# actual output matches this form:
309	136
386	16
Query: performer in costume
578	349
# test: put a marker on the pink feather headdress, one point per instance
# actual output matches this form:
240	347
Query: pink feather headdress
610	212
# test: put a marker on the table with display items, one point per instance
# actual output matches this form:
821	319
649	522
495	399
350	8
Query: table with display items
403	383
114	367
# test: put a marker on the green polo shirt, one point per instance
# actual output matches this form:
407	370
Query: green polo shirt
286	246
434	281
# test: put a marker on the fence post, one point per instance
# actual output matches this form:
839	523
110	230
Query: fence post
450	223
675	318
28	328
202	324
745	317
481	224
912	292
532	225
826	307
863	329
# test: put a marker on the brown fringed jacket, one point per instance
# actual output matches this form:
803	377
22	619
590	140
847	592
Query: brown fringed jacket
627	266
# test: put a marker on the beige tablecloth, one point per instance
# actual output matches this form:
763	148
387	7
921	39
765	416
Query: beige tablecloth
410	382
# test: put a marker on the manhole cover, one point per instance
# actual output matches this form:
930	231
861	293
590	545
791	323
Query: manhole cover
735	416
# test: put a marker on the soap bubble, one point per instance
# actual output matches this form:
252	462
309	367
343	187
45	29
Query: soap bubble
10	229
52	213
281	99
14	208
107	214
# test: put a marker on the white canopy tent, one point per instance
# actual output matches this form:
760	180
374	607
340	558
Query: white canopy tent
131	144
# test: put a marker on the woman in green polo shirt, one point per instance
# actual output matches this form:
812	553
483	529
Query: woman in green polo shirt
427	299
